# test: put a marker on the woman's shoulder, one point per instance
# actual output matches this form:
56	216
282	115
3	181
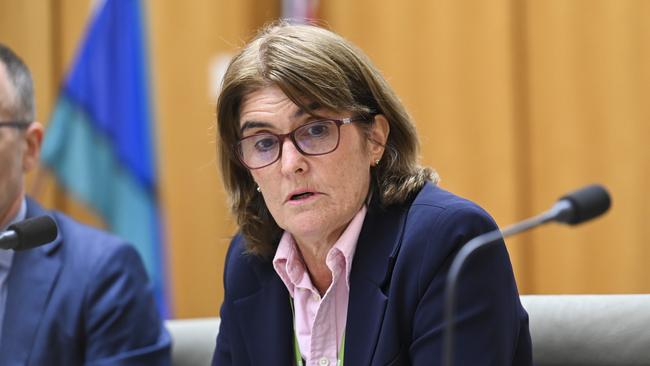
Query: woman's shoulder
438	223
438	206
244	272
434	217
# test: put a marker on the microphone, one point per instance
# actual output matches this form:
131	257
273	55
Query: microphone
28	234
574	208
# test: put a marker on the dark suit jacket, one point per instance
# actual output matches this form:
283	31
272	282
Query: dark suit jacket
83	299
395	312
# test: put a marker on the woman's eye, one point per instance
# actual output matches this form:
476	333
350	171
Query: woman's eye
265	144
318	130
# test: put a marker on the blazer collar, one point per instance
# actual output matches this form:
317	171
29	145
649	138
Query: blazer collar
31	279
266	320
374	259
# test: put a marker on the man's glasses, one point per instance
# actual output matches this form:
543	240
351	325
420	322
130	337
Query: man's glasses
313	138
15	124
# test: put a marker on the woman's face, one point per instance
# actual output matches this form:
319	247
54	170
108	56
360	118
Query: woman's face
312	197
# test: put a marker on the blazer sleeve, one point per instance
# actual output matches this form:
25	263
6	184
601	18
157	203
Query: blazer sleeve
488	313
122	324
223	351
256	318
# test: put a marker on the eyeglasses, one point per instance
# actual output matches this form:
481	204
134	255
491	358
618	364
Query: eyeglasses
311	139
21	125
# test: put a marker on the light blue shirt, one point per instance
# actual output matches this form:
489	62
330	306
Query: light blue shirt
6	257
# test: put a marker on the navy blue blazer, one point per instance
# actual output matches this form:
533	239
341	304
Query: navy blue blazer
83	299
395	311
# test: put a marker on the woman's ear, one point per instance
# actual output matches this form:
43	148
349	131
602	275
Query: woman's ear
378	138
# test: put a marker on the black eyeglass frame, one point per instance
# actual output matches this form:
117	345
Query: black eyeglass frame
292	135
21	125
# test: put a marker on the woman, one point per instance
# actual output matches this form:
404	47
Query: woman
345	241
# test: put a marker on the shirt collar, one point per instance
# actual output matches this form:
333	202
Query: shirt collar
20	216
289	265
6	256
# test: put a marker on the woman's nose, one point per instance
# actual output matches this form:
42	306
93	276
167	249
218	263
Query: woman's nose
292	160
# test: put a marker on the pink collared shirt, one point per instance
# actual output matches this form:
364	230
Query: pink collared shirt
319	323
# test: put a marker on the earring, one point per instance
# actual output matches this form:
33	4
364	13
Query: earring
377	162
258	189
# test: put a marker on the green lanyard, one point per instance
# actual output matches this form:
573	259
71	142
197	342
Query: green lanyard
296	347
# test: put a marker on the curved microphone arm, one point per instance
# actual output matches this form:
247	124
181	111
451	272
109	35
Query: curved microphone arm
574	208
479	242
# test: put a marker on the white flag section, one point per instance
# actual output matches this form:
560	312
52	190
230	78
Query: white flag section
299	11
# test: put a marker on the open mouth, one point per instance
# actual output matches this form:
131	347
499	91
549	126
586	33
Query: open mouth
300	196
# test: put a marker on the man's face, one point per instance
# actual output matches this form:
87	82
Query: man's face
12	150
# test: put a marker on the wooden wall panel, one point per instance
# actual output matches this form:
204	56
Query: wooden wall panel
26	27
515	102
187	37
590	122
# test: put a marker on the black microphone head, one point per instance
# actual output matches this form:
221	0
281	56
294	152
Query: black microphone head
34	232
586	203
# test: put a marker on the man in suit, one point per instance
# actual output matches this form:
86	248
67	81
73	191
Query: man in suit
85	297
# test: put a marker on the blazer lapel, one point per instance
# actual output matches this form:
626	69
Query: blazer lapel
32	276
374	259
31	279
266	323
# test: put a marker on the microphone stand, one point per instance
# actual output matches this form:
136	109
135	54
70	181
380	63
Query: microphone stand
574	208
557	213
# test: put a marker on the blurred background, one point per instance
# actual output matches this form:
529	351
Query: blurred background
516	102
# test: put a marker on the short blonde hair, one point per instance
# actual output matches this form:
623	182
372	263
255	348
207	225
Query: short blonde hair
309	63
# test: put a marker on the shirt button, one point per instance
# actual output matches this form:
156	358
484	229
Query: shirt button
315	297
323	361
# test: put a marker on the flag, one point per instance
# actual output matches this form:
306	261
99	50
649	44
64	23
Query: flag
100	142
